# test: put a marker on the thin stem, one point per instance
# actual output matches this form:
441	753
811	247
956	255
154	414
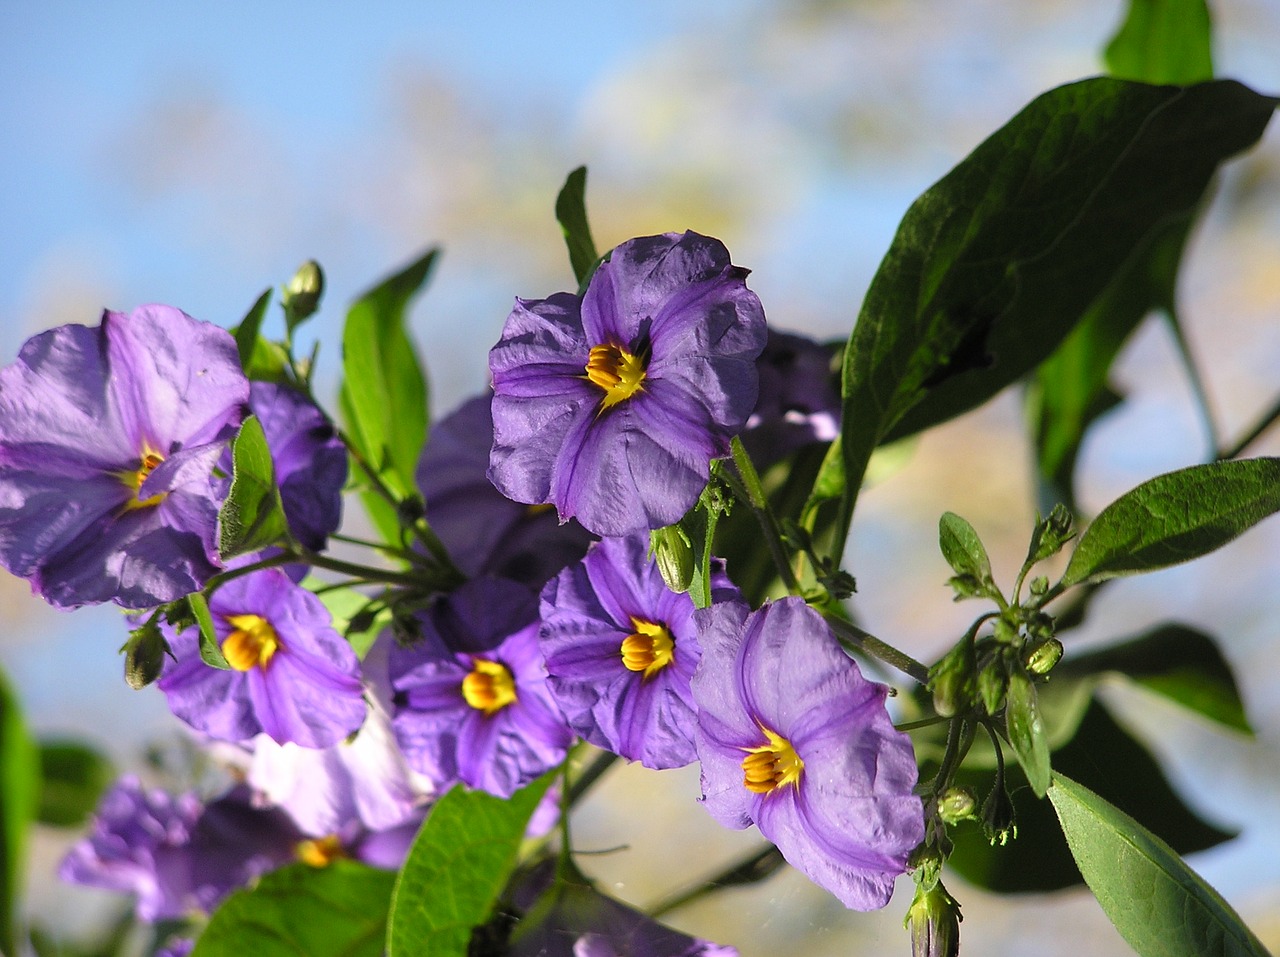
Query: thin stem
759	503
916	725
407	554
418	528
753	868
589	776
864	641
1194	378
361	572
1268	419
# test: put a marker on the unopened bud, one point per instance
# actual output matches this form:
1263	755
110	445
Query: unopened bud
999	820
956	804
934	921
952	679
301	295
144	655
1044	657
993	682
673	553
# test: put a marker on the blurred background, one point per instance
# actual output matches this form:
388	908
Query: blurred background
194	155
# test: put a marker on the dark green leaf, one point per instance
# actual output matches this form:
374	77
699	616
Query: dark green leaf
252	517
1176	517
1163	41
1157	903
300	911
456	868
210	649
384	391
1176	661
571	213
962	548
19	783
1027	735
995	264
72	778
250	329
1105	757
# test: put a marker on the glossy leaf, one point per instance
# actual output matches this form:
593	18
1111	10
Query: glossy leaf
962	548
571	213
250	328
72	779
1027	735
1174	518
339	910
457	866
1163	41
384	391
1103	756
1157	903
252	517
19	784
994	265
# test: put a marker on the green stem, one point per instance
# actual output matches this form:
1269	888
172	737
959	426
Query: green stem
589	776
1194	378
407	554
751	869
851	635
759	503
362	572
1268	419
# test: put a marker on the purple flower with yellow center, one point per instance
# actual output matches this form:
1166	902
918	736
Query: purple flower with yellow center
612	405
484	531
621	649
792	738
108	440
471	698
292	675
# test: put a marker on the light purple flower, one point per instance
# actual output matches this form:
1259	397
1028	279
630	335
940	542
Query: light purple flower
611	406
108	439
485	532
292	676
471	699
173	852
310	460
799	399
621	649
792	738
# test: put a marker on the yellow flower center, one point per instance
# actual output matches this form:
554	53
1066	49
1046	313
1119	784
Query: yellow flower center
253	642
134	478
320	851
617	372
649	649
772	765
489	687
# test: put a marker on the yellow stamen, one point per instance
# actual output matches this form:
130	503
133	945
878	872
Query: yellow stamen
541	508
619	373
252	643
771	765
649	649
320	851
133	478
489	687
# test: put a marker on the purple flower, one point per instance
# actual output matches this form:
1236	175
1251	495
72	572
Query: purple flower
108	438
611	406
799	399
471	698
310	460
794	739
621	649
173	852
485	532
292	676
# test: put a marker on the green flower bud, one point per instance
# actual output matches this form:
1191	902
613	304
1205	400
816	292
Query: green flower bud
934	921
999	820
301	295
673	552
1044	656
144	655
952	679
956	804
993	682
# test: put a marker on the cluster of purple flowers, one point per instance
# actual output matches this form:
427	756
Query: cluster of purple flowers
607	411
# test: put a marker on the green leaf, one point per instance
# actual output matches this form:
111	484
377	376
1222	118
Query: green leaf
1103	756
962	548
72	779
300	911
994	265
1174	518
252	517
1027	735
571	213
384	391
457	866
1176	661
19	783
1157	903
1163	41
210	649
250	328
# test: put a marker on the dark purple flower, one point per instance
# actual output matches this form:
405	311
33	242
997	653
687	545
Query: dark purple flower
471	698
173	852
485	532
292	676
621	649
799	399
792	738
310	460
108	439
611	406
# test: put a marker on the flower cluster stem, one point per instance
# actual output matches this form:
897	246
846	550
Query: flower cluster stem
759	504
851	634
751	869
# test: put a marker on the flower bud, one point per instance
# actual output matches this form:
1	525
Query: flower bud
1044	656
673	553
956	804
993	681
934	920
144	655
999	820
952	679
301	295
